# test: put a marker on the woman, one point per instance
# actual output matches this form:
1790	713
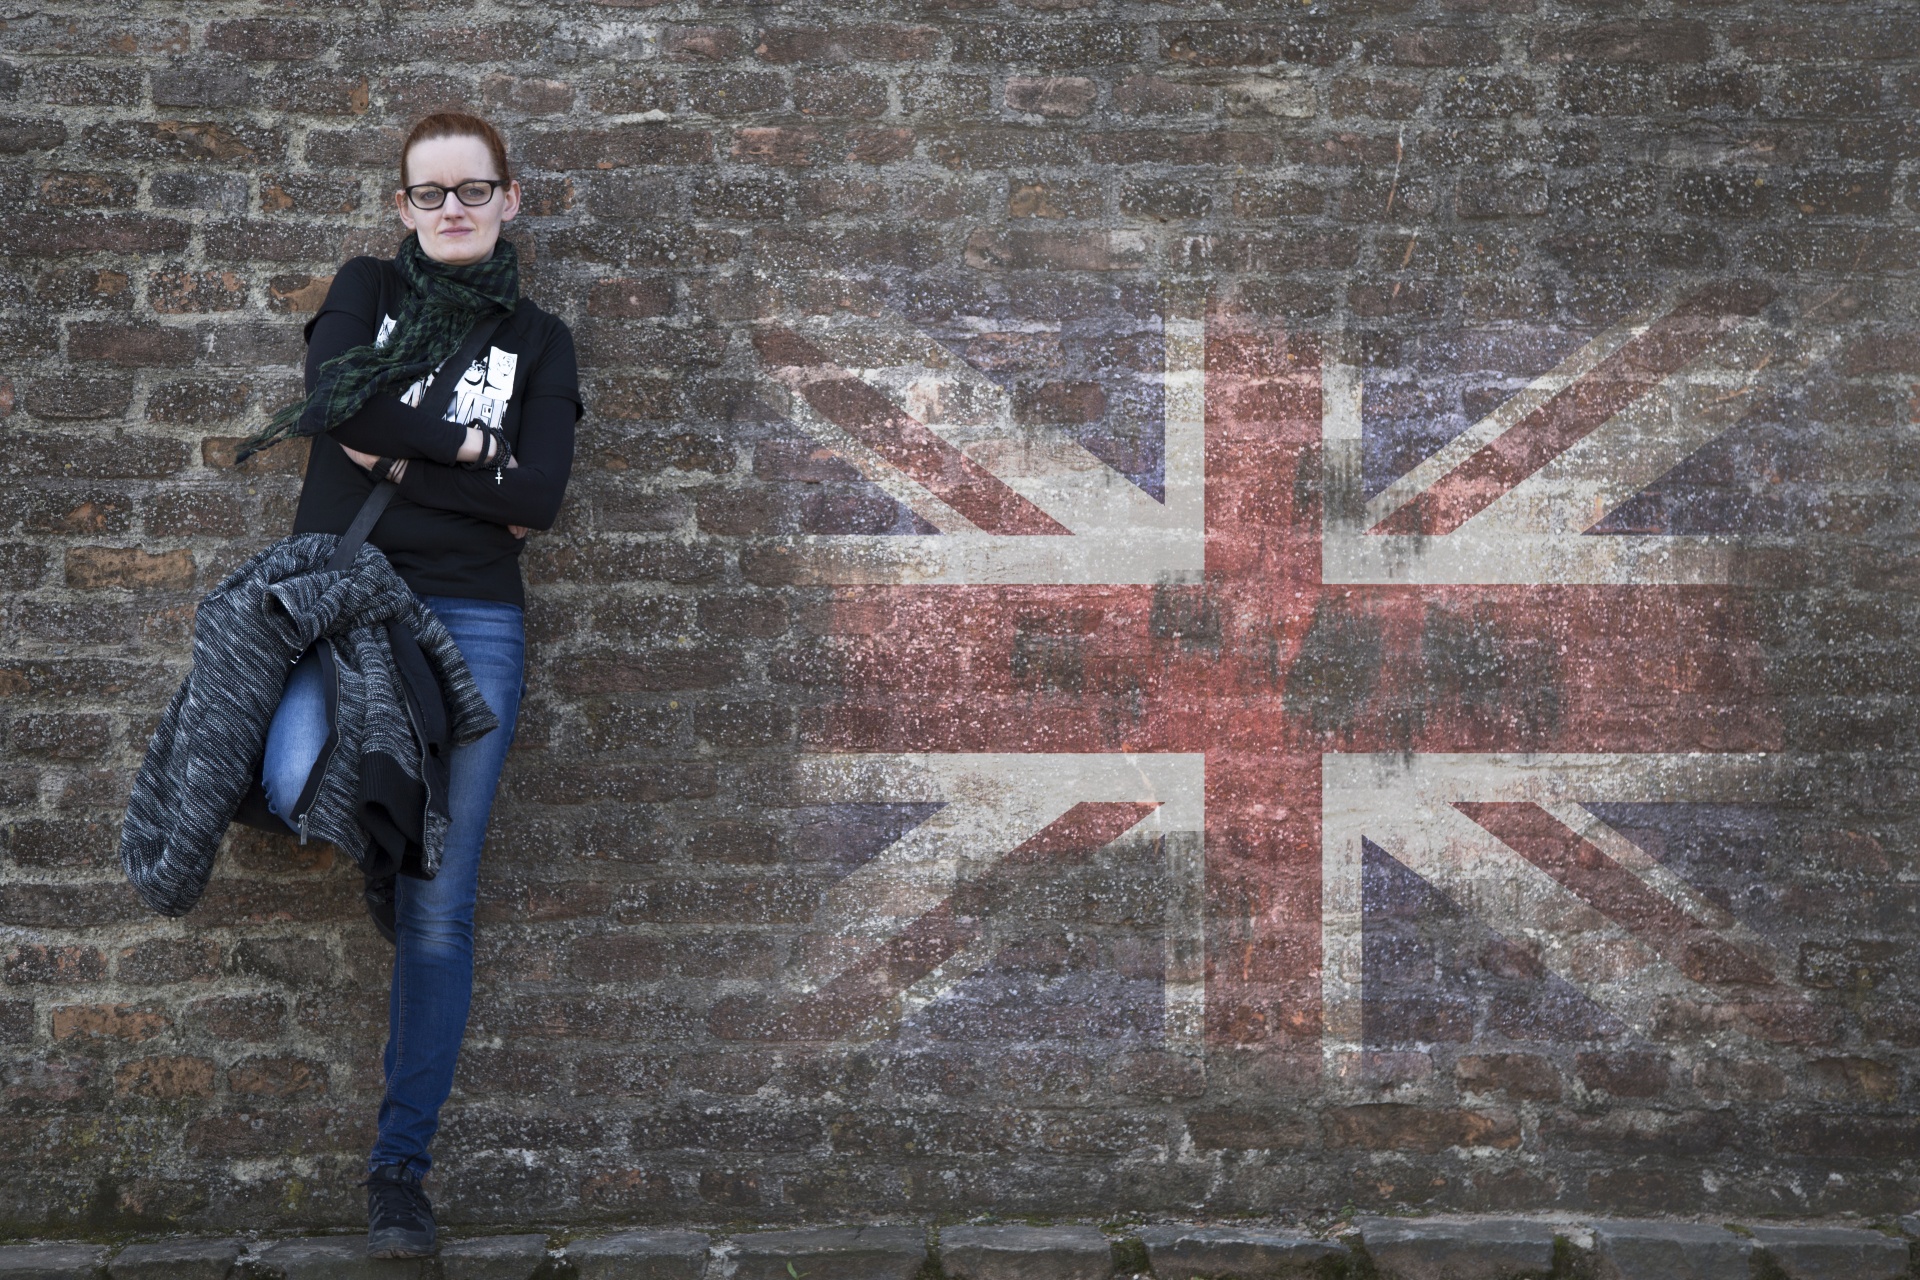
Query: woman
471	486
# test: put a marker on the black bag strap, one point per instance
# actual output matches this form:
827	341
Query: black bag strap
363	521
439	395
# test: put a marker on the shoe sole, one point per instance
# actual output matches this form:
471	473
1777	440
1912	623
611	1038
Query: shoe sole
399	1244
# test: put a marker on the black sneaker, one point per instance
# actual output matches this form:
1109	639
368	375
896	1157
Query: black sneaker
399	1219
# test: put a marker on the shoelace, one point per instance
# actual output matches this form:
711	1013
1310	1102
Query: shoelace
396	1202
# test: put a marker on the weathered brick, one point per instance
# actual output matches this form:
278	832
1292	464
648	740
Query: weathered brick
130	344
1025	1253
1432	1249
78	397
1629	1250
641	1255
201	82
1653	41
93	1022
857	42
176	1260
63	963
93	568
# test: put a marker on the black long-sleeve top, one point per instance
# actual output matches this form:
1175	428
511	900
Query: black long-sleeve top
446	530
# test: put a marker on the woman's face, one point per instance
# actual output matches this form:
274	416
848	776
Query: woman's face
456	233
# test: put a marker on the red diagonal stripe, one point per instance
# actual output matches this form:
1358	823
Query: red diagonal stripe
1666	346
868	987
1618	894
869	417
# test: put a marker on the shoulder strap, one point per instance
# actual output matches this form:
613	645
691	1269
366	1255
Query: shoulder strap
440	394
363	521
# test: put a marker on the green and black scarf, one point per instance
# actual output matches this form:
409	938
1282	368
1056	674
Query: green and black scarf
443	303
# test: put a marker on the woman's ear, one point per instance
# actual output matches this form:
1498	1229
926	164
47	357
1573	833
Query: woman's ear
406	210
510	209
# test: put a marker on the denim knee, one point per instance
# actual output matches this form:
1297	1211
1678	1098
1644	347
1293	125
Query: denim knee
296	736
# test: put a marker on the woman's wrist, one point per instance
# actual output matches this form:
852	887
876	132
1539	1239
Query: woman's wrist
472	445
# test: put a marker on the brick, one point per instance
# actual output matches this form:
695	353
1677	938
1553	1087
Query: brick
277	1076
97	568
1635	1250
1246	44
180	292
201	82
129	344
177	1260
169	1077
267	39
612	148
1146	95
528	95
78	397
106	233
1029	250
832	1253
1467	1249
863	43
51	1261
197	401
640	1255
1434	46
515	1257
160	961
220	192
337	1259
54	964
1625	1075
1190	1253
22	134
1025	1253
1643	41
62	190
777	145
1396	1126
241	1018
1054	96
88	84
91	1022
1519	1075
63	842
1831	1253
312	90
203	141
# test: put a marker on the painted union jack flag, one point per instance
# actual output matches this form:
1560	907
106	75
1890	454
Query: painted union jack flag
1329	641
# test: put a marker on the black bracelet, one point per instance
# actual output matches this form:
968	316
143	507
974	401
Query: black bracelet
381	468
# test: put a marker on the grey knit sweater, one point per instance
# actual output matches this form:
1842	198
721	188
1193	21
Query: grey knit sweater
247	634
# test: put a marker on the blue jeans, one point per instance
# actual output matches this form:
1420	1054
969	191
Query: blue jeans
433	961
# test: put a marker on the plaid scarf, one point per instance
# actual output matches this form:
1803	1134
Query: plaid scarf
443	304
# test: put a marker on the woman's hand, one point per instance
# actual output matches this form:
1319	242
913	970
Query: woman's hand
367	461
471	446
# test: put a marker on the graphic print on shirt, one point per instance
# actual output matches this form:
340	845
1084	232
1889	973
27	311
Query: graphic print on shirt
484	390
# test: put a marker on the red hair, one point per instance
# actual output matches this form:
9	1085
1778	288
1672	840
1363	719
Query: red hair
457	124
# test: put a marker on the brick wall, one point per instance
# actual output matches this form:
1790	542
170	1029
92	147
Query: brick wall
1261	863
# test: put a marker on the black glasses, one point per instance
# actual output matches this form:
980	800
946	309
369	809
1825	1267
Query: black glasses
473	192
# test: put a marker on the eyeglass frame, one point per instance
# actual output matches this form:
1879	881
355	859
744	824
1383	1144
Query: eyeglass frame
493	186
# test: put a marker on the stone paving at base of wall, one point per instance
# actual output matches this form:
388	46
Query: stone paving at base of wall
1368	1248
